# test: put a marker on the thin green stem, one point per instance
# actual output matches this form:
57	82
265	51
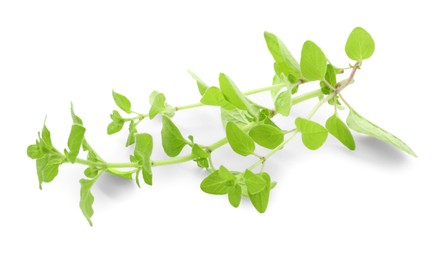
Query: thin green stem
259	90
306	96
176	160
318	105
107	165
188	106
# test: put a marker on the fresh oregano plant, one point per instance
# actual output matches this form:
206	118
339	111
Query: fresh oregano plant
247	124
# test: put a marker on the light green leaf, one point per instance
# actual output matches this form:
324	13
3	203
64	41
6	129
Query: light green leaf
260	200
76	119
234	195
313	62
234	95
142	153
216	184
157	101
46	136
339	130
172	140
358	123
199	152
86	201
313	134
47	168
267	136
214	97
74	141
33	151
255	183
202	87
240	142
122	102
240	117
283	103
132	132
360	45
284	61
115	127
330	75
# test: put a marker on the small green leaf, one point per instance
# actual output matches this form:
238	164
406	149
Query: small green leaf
255	183
338	129
260	200
234	195
115	116
234	95
86	200
284	61
33	151
283	103
158	105
267	136
114	127
91	172
313	134
360	45
240	142
76	119
358	123
122	102
330	75
47	168
240	117
74	141
199	152
202	87
142	153
132	132
216	184
313	62
214	97
46	136
172	140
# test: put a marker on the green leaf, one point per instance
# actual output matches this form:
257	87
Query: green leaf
132	132
234	195
234	95
313	134
122	102
74	141
33	151
240	117
46	136
360	45
216	183
47	168
172	140
338	129
313	62
202	87
214	97
283	103
199	152
115	116
240	142
330	75
255	183
260	200
284	61
142	153
86	200
114	127
267	136
158	104
76	119
91	172
359	124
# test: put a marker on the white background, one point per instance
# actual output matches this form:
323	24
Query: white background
374	203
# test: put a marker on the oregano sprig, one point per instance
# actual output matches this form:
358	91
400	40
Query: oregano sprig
246	123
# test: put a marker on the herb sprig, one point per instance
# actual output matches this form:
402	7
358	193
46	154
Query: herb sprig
247	124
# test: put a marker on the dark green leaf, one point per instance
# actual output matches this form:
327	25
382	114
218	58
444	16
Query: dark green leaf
172	140
313	62
284	61
86	200
313	134
260	200
202	87
74	141
267	136
339	130
122	102
234	195
240	142
142	153
358	123
360	45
